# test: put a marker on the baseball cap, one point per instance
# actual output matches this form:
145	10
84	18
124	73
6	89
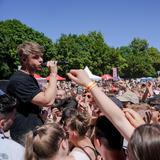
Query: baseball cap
129	96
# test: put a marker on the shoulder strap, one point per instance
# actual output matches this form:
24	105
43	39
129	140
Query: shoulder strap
85	152
93	149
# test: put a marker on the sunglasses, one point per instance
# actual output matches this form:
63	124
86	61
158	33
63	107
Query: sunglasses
87	95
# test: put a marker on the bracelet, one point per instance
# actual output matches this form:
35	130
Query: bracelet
90	86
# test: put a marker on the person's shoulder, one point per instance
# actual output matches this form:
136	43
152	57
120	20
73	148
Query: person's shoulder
69	158
78	154
19	75
15	81
19	78
16	74
11	144
11	149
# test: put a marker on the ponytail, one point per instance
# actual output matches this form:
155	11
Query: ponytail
29	154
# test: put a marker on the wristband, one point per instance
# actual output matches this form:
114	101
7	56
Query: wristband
90	86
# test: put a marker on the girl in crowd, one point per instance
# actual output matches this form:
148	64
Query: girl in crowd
143	140
48	142
77	127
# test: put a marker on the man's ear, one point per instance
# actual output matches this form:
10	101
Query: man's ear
97	142
24	60
2	122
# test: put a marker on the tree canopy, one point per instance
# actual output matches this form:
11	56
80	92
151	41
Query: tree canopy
135	60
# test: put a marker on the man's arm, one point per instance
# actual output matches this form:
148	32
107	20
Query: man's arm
109	108
47	97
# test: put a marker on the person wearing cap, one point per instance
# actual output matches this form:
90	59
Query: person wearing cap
24	87
128	97
9	149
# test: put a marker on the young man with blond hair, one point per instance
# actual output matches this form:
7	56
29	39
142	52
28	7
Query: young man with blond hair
24	87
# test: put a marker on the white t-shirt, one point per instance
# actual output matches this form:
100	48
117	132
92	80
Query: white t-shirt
79	154
10	150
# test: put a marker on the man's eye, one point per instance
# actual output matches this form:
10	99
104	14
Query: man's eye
36	57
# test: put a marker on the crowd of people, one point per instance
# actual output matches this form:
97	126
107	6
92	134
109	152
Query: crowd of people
78	119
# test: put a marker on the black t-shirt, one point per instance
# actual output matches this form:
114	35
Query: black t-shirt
24	87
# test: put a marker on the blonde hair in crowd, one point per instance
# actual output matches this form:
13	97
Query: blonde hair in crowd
80	123
44	142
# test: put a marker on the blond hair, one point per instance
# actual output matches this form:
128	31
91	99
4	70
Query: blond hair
43	142
80	123
27	48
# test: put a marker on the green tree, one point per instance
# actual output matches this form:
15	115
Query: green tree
89	50
139	61
83	50
134	60
154	56
138	45
138	66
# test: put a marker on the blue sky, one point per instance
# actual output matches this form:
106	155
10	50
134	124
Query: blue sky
118	20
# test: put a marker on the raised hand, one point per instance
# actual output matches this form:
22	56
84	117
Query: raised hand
133	117
52	65
79	76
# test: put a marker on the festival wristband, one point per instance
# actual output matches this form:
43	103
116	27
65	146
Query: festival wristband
90	86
